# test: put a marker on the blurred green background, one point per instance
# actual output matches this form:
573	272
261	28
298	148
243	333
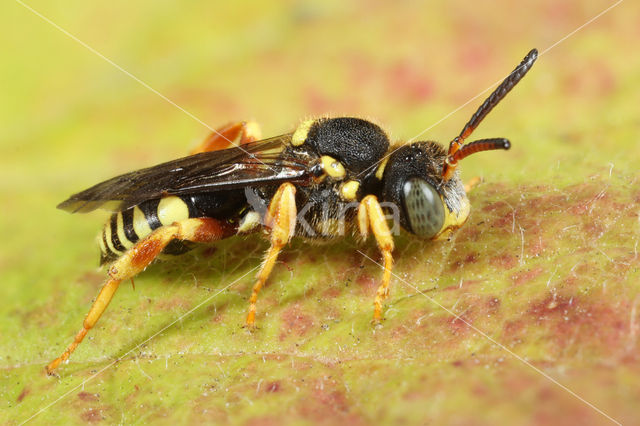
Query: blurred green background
547	264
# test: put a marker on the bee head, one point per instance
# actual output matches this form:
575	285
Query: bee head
422	180
430	206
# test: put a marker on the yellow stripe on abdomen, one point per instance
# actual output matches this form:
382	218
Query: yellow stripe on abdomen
120	232
140	223
107	234
100	239
172	209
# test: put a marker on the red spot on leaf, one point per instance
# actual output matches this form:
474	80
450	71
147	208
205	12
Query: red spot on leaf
480	390
459	324
514	329
368	284
504	261
26	391
593	228
524	277
493	305
331	293
272	387
294	321
571	281
601	327
92	415
173	303
469	258
328	405
88	397
505	221
536	247
335	399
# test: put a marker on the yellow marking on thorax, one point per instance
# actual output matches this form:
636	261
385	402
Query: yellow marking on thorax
332	167
120	232
172	209
107	236
140	224
380	171
453	221
349	190
300	135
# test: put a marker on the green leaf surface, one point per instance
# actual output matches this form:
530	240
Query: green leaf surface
528	315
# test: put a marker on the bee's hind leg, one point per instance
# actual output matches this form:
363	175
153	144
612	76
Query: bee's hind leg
370	215
281	218
136	259
230	135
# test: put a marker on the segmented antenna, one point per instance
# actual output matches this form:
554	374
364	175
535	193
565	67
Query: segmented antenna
484	109
477	146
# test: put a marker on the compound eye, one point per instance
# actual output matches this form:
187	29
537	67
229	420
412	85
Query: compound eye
424	207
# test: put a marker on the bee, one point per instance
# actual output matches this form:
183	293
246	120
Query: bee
329	177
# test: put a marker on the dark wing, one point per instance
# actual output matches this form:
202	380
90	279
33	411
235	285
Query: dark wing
253	164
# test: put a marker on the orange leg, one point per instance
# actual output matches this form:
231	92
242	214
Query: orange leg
135	260
233	134
281	218
370	215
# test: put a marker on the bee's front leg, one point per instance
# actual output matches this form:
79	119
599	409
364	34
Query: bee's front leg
370	215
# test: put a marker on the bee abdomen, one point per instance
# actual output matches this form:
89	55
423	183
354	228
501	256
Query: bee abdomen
124	229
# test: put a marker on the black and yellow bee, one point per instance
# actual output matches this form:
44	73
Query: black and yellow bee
328	177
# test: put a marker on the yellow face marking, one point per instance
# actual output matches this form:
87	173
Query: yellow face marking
453	221
140	224
120	231
249	222
349	190
300	135
172	209
380	171
107	233
332	167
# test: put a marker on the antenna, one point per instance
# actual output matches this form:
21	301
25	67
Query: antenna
493	100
